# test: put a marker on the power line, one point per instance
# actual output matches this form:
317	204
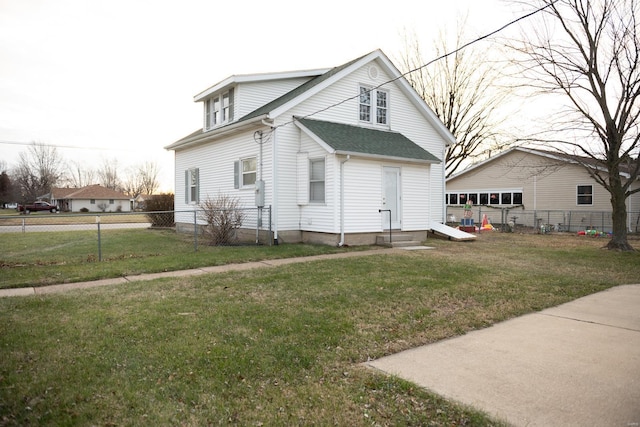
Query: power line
476	40
77	147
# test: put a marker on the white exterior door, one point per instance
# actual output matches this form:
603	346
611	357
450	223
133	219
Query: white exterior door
391	197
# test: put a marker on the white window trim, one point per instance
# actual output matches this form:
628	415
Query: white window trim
210	111
578	194
243	173
373	105
512	191
189	185
323	180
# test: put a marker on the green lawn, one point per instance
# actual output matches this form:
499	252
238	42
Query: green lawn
46	258
280	346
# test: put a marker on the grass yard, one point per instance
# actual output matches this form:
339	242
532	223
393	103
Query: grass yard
40	259
280	346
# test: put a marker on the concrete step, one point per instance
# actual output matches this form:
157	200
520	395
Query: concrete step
397	241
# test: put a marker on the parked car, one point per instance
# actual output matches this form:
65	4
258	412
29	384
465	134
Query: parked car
37	206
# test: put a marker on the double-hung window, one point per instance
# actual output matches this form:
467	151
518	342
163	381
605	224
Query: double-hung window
244	172
373	105
585	195
248	171
316	180
218	110
192	186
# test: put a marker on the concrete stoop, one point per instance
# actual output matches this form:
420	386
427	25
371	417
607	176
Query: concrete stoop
397	240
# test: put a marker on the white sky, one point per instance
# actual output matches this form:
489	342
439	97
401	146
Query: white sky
117	77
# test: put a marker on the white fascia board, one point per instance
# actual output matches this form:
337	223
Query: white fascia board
320	87
244	78
329	149
218	133
383	157
416	100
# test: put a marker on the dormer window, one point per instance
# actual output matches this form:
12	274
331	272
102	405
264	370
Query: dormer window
218	110
373	106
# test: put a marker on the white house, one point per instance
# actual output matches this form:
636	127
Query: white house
330	150
92	198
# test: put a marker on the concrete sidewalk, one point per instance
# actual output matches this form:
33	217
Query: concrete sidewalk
577	364
196	271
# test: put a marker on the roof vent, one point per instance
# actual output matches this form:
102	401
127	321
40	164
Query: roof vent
373	72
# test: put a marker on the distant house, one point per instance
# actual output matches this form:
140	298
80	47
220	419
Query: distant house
339	154
536	180
93	198
140	201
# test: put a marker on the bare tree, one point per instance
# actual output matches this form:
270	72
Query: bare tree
588	52
141	179
80	176
39	168
464	91
149	176
108	174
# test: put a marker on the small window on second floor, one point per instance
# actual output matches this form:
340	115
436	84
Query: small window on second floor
366	113
218	110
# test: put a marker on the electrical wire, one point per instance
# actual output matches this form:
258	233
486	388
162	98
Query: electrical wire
476	40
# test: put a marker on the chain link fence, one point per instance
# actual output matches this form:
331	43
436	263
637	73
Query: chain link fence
251	226
536	221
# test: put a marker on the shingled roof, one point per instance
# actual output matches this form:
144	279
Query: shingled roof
89	192
349	139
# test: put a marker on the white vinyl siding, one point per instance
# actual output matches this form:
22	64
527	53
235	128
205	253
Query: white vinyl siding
422	200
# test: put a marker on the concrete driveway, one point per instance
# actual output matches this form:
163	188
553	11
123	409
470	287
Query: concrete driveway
577	364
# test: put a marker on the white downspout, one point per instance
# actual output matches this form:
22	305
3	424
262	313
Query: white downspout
342	200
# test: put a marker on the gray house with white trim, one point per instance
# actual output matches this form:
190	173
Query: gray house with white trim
334	152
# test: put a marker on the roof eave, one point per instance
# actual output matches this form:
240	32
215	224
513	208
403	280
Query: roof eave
250	78
385	157
217	133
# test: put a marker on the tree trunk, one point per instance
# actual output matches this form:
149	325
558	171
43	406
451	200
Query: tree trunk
619	219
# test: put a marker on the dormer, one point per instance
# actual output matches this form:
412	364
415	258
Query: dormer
239	95
218	109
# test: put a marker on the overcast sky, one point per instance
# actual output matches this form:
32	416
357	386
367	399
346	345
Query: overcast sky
116	78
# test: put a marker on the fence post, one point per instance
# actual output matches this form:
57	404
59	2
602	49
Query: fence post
23	226
195	230
99	239
258	224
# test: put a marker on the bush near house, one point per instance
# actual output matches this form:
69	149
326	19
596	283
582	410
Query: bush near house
223	216
159	208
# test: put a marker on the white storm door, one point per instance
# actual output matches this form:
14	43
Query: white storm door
391	197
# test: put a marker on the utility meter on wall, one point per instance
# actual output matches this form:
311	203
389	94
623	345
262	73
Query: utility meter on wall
260	193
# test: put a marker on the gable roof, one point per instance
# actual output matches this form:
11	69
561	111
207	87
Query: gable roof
261	77
278	106
346	139
552	155
89	192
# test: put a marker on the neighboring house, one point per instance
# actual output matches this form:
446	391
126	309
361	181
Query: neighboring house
94	198
139	202
535	180
327	149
